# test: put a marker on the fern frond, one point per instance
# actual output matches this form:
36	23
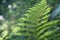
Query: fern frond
35	23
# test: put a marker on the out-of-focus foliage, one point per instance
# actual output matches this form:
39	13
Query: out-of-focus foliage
28	20
19	7
53	2
55	13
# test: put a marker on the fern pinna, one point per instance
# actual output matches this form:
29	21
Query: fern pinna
35	25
